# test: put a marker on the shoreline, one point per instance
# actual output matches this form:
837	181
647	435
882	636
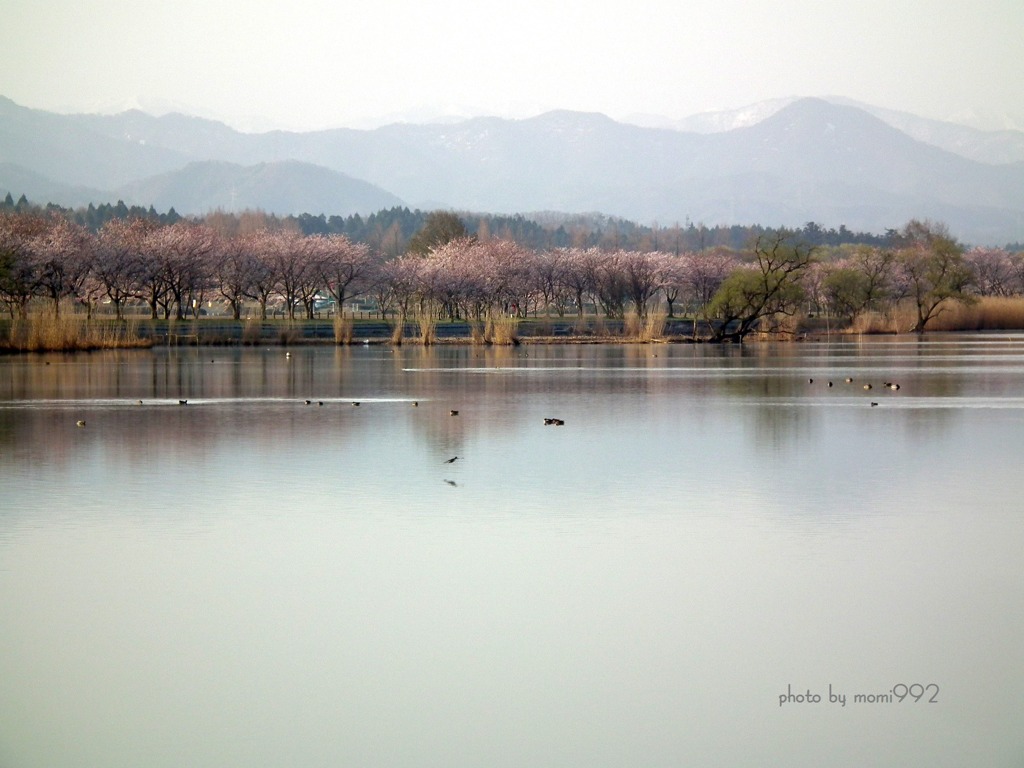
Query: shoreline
106	333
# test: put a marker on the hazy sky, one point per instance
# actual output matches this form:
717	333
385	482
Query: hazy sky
315	63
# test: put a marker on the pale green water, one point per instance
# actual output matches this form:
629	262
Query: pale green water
251	581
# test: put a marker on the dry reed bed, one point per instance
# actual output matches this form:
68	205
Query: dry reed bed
67	331
988	313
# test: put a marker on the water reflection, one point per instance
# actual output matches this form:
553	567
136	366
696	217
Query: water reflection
248	579
746	408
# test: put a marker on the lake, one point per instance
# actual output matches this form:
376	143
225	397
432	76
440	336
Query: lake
714	561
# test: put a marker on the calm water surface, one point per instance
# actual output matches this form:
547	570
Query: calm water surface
247	580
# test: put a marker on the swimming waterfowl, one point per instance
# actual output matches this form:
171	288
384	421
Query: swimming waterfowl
80	423
183	402
453	413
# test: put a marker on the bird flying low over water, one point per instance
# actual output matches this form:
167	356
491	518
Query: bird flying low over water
451	460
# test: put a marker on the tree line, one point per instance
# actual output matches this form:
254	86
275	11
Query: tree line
448	271
389	231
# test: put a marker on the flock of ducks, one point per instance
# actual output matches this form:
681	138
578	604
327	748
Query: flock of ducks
867	386
355	403
555	422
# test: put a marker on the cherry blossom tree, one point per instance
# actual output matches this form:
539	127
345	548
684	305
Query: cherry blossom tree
151	280
400	281
579	274
345	269
310	281
118	263
994	272
516	270
610	281
672	277
446	278
234	266
291	267
546	275
63	254
501	270
183	252
705	272
260	249
641	276
18	275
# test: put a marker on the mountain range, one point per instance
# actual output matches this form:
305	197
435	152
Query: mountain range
787	163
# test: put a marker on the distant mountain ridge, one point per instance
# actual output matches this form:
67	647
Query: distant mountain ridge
808	160
286	187
996	147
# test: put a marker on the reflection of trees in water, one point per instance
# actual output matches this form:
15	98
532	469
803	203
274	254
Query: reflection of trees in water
138	435
255	397
777	426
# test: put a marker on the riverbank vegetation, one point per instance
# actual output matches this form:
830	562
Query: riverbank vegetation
44	330
136	281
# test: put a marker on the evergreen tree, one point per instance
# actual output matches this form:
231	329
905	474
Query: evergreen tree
440	227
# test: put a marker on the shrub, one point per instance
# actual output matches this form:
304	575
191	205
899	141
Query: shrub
344	329
502	330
